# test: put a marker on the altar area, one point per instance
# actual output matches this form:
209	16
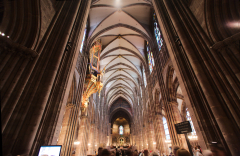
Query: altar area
121	135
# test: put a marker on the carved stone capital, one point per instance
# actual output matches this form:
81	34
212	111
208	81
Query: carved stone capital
11	47
70	105
158	114
83	117
228	41
83	112
173	103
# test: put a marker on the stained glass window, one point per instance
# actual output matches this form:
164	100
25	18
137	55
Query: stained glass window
95	54
157	32
144	78
190	120
166	128
150	58
83	39
121	130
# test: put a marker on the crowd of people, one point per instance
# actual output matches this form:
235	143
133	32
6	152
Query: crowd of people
215	150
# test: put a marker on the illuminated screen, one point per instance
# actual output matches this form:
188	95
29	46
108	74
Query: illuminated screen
50	151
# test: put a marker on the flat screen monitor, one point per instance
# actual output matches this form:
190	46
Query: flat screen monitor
51	150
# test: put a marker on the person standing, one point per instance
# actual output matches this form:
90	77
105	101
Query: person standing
105	152
182	152
197	151
175	148
117	153
99	151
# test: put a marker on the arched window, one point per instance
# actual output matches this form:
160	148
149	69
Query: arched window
157	32
83	39
141	91
121	130
166	128
150	58
144	78
95	54
190	120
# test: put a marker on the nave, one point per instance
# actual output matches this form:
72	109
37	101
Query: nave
119	75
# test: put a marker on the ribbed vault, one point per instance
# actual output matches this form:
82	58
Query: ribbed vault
123	27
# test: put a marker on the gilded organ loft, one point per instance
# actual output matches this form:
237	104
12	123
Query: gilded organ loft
86	74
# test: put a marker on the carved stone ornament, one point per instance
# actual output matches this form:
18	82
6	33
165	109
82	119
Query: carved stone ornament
7	45
91	86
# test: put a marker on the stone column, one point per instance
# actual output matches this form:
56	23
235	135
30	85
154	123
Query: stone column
97	136
65	138
80	150
90	140
150	134
176	118
206	76
141	140
145	138
162	146
36	109
137	133
110	134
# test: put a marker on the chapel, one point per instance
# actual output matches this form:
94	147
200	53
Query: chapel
119	74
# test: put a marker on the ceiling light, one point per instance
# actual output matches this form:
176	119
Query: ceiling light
167	141
76	143
118	3
234	24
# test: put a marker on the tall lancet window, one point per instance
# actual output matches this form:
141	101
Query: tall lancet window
141	91
190	120
144	78
166	128
157	32
83	39
150	58
121	130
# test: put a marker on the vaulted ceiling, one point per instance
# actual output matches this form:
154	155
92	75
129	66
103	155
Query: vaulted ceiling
122	26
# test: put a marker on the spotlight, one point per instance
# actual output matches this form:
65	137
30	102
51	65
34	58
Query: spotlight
76	143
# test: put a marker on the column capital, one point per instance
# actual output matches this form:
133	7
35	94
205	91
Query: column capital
158	114
173	103
70	105
83	112
83	117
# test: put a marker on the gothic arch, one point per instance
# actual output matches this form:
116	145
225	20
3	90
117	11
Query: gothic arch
22	24
219	20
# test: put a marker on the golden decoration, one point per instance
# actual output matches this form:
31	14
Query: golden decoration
91	85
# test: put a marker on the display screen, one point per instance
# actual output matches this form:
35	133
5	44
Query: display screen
50	150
